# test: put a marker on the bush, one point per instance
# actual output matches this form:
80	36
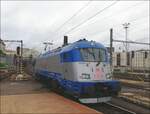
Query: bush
2	53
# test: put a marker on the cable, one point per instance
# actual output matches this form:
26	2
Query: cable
74	15
92	16
128	9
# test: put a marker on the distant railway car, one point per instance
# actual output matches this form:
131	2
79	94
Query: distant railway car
141	60
81	69
133	60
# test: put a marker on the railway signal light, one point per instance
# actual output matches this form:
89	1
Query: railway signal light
145	55
132	54
18	50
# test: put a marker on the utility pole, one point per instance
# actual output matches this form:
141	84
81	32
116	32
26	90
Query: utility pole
126	26
21	62
111	45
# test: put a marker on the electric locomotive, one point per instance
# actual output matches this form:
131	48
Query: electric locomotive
81	69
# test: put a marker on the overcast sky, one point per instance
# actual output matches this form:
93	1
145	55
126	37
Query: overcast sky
37	21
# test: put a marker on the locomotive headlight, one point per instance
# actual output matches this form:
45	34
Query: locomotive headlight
85	76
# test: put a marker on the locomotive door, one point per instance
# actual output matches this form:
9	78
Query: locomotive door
66	66
65	70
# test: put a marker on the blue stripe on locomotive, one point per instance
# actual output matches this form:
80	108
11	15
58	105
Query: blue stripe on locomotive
75	87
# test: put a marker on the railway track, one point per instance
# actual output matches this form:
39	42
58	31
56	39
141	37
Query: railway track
143	92
109	108
126	111
4	76
139	87
135	77
6	73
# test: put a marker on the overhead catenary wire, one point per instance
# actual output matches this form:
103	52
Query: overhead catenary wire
135	5
74	15
92	16
87	5
87	20
116	25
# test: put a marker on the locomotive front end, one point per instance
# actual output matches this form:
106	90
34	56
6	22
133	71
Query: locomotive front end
80	69
94	74
89	67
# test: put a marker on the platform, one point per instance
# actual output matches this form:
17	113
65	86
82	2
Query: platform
42	103
31	96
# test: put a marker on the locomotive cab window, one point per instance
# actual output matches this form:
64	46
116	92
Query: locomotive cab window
93	54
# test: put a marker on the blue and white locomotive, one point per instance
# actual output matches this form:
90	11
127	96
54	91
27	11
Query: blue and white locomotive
81	69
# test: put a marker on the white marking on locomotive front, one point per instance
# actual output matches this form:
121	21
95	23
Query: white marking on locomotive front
89	71
98	74
95	100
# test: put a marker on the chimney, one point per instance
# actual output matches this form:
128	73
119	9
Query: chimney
65	40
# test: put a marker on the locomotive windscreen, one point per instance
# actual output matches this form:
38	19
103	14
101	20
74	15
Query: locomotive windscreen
93	54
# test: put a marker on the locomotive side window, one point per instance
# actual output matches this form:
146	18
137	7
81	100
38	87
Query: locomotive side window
67	57
93	54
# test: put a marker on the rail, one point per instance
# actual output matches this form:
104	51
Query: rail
121	108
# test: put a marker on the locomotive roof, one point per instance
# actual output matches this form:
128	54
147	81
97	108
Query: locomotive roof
82	44
78	44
